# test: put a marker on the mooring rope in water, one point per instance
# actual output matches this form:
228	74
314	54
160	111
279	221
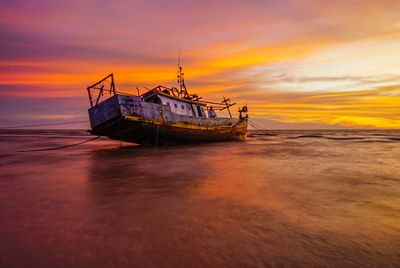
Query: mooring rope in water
59	147
257	126
254	124
44	125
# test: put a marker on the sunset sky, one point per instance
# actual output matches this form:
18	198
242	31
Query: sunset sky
295	63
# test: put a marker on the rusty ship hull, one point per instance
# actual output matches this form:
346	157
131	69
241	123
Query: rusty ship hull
130	119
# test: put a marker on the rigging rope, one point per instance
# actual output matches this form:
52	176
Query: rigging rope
257	126
60	147
44	125
52	124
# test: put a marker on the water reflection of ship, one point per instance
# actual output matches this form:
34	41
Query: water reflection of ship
161	114
132	168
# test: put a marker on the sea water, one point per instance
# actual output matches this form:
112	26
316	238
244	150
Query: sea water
279	199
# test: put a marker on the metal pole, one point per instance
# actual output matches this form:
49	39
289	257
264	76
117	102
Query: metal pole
112	83
90	97
227	106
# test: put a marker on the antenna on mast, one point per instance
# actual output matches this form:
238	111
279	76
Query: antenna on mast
179	71
179	58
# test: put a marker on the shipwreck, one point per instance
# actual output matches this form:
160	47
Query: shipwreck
161	115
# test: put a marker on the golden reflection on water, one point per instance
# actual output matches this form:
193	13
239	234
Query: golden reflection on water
317	197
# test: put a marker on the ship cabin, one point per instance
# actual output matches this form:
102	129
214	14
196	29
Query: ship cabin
182	106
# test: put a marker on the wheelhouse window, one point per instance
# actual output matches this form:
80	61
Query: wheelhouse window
199	111
153	99
190	107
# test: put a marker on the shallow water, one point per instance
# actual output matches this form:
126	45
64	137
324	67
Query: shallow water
279	199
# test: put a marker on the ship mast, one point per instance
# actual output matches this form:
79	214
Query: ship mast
183	93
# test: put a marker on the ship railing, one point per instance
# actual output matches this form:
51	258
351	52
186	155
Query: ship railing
100	88
106	86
